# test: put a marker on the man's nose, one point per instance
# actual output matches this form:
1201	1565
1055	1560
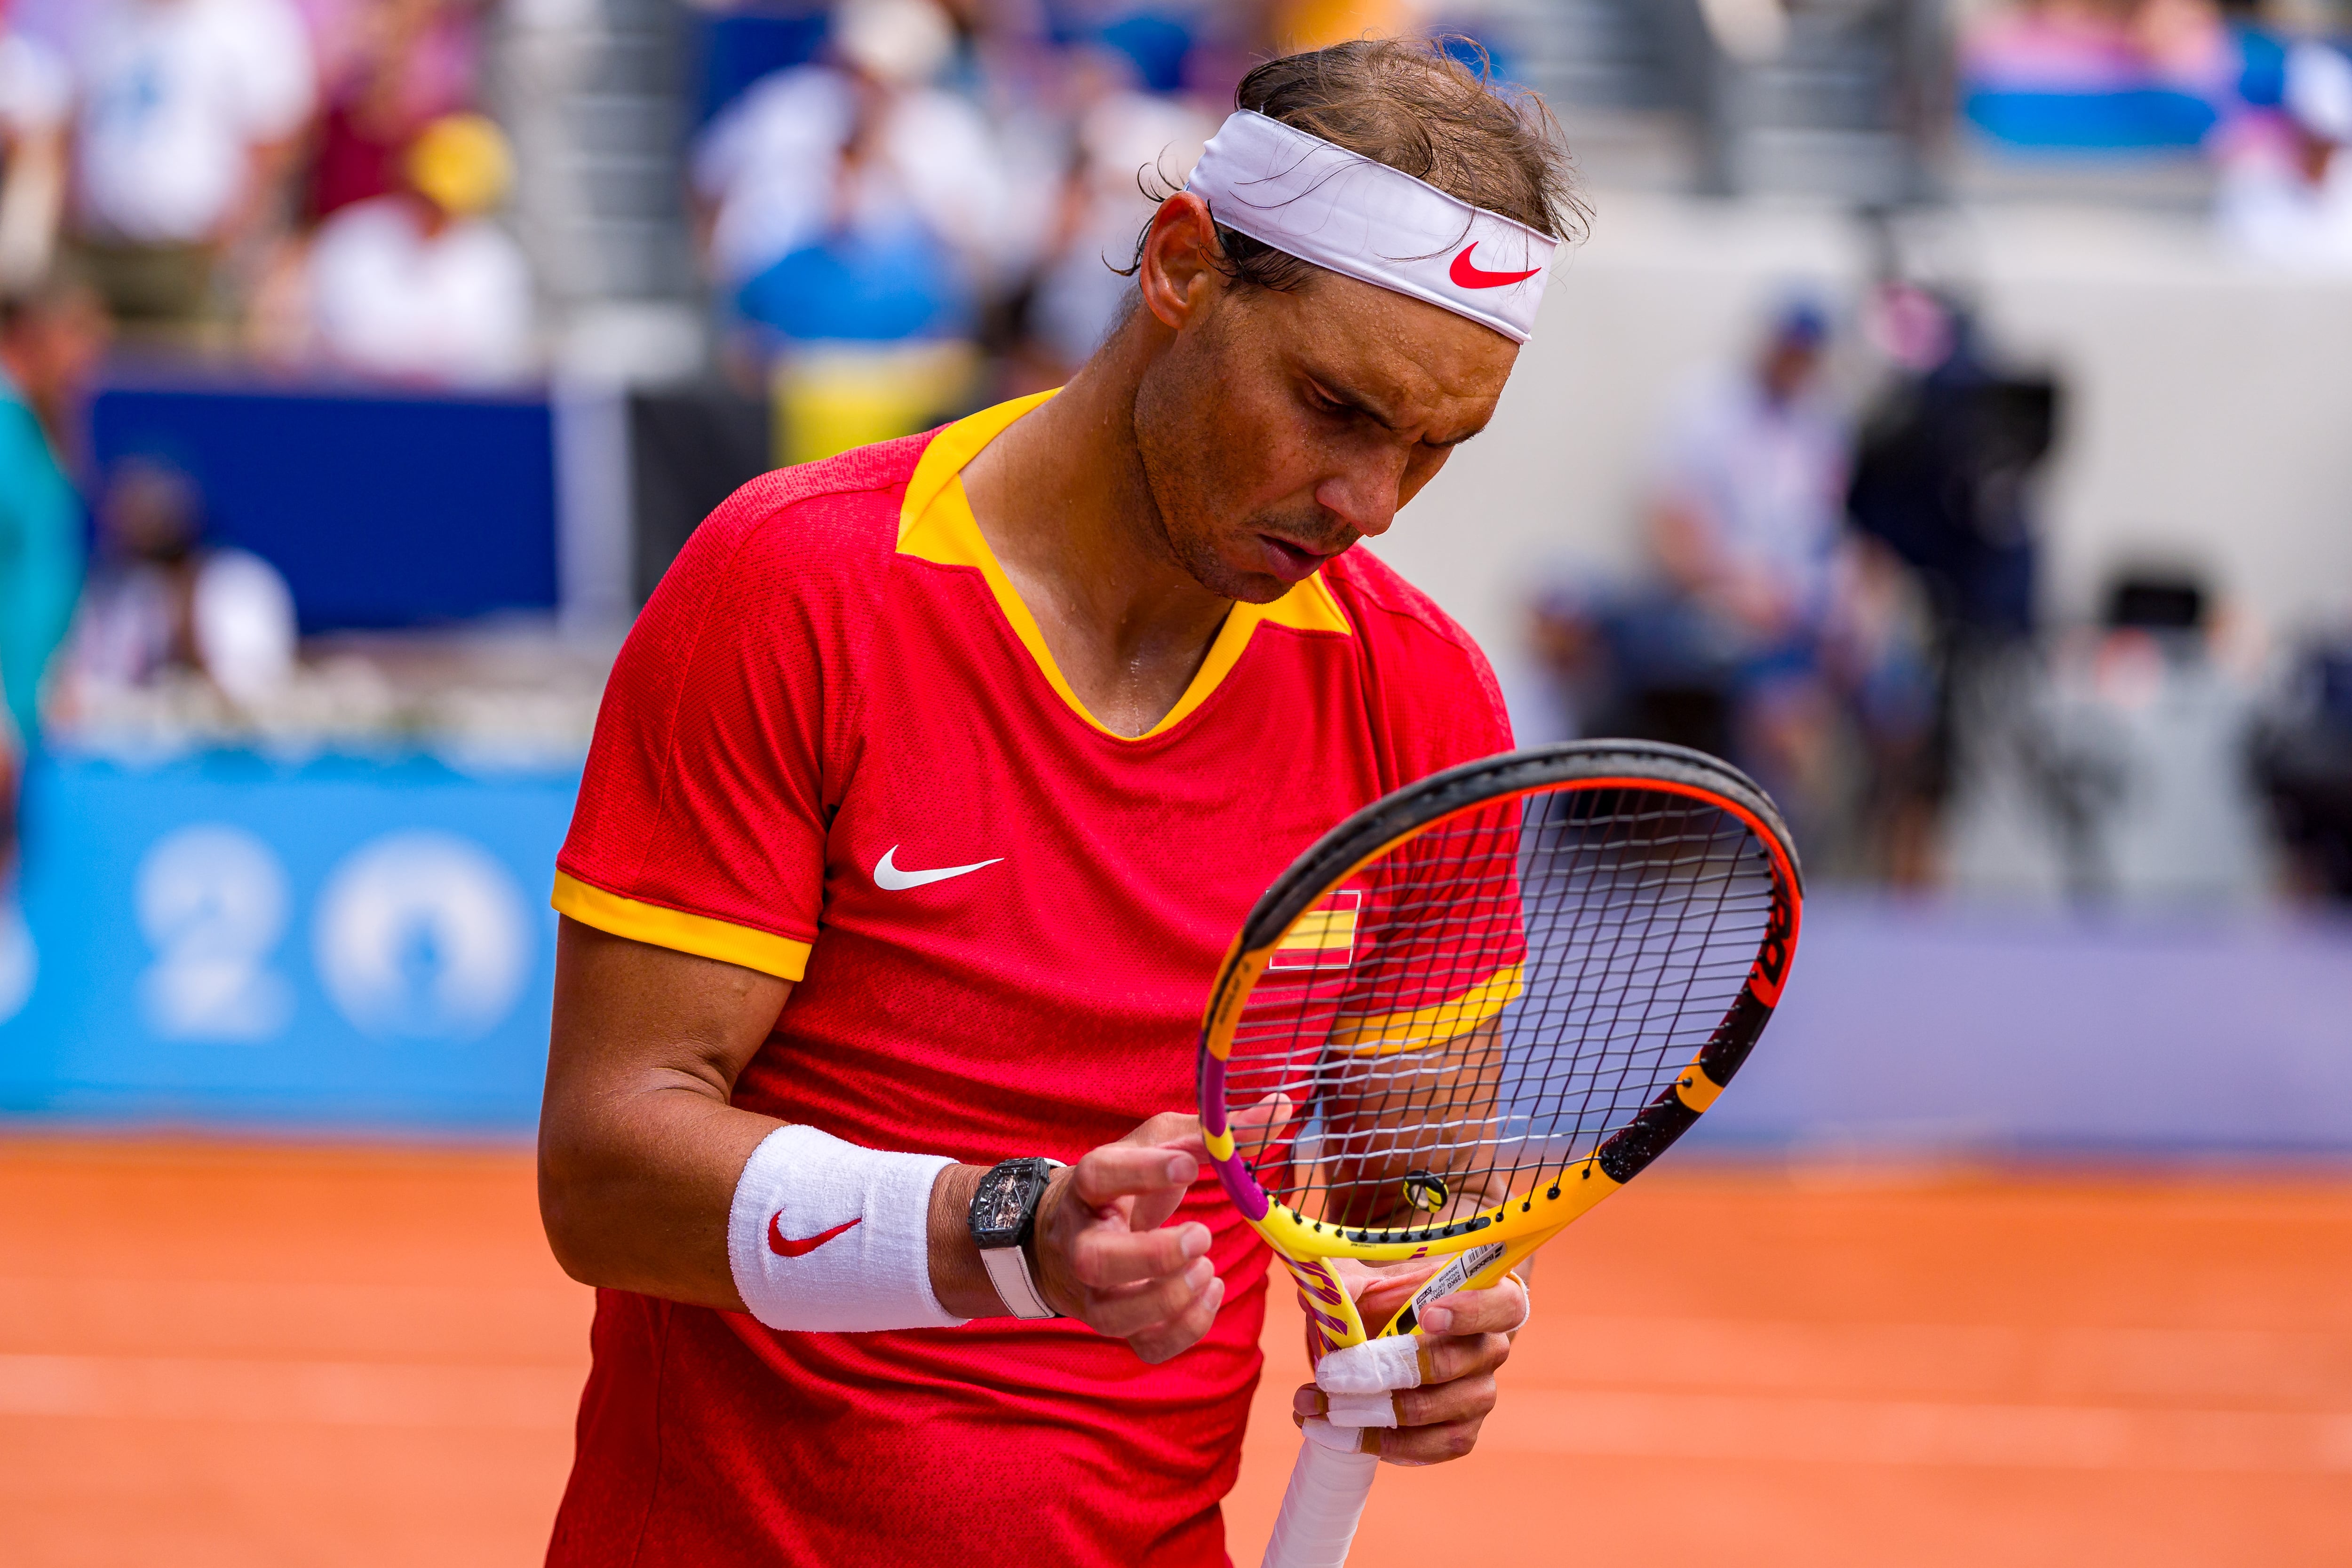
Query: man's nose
1364	497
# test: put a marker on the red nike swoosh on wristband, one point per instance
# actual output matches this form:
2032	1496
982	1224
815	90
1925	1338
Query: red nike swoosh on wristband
784	1246
1466	276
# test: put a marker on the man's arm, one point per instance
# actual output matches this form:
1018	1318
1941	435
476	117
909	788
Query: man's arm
640	1151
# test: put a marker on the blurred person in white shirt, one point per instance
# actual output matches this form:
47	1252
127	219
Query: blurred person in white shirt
421	285
190	112
2286	200
160	601
1806	630
1749	506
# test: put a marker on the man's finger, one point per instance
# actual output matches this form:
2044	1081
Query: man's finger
1185	1330
1121	1170
1131	1310
1102	1256
1168	1130
1498	1309
1461	1399
1444	1357
1426	1445
1255	1127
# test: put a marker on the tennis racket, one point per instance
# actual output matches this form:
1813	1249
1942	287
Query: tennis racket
1469	1013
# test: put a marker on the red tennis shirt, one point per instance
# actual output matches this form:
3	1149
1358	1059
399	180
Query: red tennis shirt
836	677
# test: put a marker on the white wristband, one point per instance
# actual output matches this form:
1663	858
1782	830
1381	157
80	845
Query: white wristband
826	1235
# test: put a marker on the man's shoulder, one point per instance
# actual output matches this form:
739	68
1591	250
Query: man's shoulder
814	520
1430	676
808	547
1378	599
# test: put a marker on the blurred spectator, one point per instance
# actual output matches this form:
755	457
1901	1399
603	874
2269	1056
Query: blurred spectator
1746	520
1946	456
1129	144
396	67
897	181
2286	198
2306	763
1746	528
190	114
1771	635
36	100
420	284
161	601
40	518
52	338
2100	74
858	216
1943	479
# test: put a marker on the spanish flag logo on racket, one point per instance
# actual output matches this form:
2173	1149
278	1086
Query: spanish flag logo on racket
1324	937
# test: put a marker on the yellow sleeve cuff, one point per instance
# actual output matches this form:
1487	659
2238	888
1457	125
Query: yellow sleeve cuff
682	933
1424	1027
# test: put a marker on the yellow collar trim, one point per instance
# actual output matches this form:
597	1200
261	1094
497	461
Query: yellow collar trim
936	524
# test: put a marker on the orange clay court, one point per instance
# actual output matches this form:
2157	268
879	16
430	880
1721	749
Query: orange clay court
217	1354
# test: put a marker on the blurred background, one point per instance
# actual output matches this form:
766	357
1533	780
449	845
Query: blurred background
1948	418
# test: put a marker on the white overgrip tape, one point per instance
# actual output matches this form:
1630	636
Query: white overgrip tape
1339	1439
1360	1410
1375	1366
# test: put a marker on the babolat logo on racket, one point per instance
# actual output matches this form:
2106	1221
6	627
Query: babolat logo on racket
1324	937
1425	1190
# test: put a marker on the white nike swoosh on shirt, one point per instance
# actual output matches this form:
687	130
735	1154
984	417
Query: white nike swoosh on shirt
890	879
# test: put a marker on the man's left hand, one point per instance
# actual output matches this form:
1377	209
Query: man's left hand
1465	1338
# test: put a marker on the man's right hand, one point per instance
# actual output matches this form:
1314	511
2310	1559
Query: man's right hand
1104	1254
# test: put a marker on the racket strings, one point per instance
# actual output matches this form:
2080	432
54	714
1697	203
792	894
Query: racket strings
1518	982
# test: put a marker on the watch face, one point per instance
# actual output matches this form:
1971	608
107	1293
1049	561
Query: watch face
996	1207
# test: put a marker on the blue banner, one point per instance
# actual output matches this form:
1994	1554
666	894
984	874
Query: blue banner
383	508
339	944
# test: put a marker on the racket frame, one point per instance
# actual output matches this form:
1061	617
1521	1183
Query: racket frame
1520	1224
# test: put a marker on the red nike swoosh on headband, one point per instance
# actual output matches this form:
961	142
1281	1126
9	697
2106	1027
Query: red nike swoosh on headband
1466	276
784	1246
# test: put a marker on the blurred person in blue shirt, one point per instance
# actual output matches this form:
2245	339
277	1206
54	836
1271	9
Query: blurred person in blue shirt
49	339
854	199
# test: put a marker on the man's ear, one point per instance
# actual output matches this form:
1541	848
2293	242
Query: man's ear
1179	273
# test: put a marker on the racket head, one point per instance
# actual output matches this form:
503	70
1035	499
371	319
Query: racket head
1486	1001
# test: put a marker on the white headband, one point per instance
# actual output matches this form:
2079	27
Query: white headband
1323	203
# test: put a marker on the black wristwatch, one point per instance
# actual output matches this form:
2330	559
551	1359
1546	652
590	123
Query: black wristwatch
1002	1218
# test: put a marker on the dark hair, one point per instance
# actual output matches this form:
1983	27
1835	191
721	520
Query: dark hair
1414	106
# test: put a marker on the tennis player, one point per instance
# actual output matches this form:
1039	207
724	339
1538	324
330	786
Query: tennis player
925	795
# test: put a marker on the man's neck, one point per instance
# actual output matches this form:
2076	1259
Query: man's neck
1062	499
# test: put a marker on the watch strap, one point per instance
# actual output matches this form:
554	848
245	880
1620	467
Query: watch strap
1008	1271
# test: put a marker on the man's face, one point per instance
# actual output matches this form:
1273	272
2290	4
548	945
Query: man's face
1277	429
